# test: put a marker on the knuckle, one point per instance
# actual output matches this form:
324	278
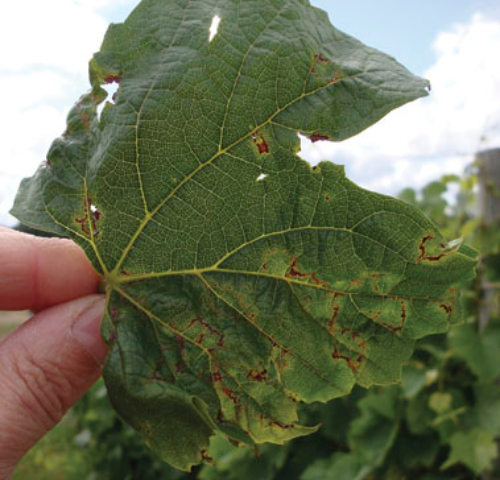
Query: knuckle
42	389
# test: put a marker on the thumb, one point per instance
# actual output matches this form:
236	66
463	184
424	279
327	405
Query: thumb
46	366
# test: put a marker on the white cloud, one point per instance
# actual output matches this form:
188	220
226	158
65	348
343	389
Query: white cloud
46	46
439	134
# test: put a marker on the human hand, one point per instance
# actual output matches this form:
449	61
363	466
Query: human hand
48	363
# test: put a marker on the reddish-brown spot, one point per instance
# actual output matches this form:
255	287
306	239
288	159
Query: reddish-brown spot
447	308
257	376
318	138
260	143
333	319
336	77
206	457
84	222
294	272
220	417
112	79
422	249
85	119
327	198
207	328
321	59
284	426
435	258
392	328
403	313
336	355
181	342
265	266
352	364
356	283
216	377
228	393
178	367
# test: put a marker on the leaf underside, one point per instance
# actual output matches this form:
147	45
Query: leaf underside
240	281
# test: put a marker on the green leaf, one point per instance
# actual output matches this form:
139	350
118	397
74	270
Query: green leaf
414	380
412	451
239	280
479	351
440	402
373	433
341	466
233	463
476	449
487	408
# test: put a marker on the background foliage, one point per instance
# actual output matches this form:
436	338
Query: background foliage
442	421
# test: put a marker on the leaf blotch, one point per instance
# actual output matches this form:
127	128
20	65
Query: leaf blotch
260	143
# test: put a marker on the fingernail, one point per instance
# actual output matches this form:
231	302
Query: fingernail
86	330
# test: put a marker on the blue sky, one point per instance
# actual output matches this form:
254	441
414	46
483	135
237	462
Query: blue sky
404	29
454	43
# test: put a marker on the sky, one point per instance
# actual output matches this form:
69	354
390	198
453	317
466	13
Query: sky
46	45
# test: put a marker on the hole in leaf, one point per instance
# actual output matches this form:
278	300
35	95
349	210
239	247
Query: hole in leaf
111	87
95	216
261	177
214	28
309	151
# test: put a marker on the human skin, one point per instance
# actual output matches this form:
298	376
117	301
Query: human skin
49	362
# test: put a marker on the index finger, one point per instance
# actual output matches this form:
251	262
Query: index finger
36	273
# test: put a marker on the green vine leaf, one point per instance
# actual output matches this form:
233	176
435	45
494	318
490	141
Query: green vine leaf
239	280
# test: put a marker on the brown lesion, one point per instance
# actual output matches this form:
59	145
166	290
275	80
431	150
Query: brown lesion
91	218
317	137
258	375
423	251
333	319
447	308
112	79
294	272
206	457
206	329
260	142
320	58
283	426
218	382
404	313
353	364
422	247
230	394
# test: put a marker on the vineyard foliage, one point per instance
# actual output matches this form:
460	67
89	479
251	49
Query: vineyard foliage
241	283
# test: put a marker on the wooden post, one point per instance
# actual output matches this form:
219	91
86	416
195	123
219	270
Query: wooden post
489	210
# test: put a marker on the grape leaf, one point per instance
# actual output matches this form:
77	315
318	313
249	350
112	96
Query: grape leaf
476	448
240	280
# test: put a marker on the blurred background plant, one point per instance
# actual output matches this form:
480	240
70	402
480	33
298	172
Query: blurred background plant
442	422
